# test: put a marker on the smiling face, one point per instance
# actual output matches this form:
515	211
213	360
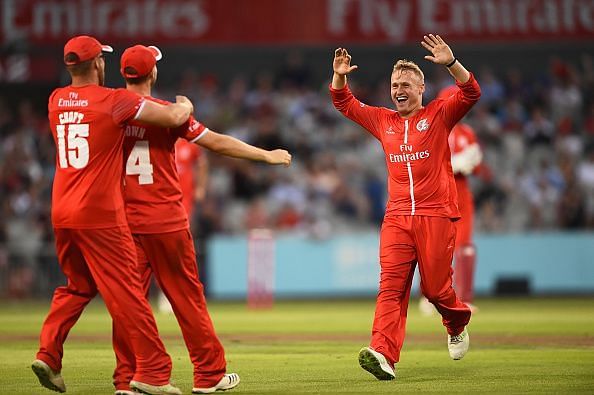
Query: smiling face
406	90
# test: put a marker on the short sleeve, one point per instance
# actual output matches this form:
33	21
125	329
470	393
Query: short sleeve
191	130
126	106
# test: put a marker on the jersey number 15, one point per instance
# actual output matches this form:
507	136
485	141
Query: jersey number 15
73	147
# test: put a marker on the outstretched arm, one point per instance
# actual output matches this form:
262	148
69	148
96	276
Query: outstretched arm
230	146
441	53
342	67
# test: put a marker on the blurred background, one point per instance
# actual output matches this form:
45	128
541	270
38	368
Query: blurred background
259	70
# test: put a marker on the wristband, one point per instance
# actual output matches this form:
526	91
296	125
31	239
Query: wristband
452	62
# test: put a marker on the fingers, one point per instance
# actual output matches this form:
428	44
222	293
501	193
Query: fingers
427	46
433	39
342	52
440	40
179	99
284	158
279	157
430	58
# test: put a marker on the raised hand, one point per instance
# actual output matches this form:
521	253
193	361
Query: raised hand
342	62
278	157
442	54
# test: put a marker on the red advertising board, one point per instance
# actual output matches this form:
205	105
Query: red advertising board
309	22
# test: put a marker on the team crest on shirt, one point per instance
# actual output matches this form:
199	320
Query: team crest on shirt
390	131
423	125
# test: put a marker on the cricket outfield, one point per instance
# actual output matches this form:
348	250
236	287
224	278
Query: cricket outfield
527	345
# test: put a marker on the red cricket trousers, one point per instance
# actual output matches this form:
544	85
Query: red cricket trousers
104	261
404	241
172	258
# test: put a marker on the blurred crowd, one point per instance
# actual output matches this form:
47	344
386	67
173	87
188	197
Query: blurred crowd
536	132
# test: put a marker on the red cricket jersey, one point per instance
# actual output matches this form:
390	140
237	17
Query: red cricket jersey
87	126
153	193
186	155
420	177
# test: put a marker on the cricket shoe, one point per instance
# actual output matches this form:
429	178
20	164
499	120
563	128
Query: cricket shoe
144	388
226	383
47	377
376	364
458	345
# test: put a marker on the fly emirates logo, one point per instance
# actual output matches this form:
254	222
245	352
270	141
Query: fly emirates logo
407	154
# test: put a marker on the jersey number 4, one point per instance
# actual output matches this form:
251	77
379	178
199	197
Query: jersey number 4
73	147
139	163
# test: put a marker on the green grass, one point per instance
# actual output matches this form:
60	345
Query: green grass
517	346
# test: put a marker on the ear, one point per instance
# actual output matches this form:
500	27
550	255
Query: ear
422	88
98	63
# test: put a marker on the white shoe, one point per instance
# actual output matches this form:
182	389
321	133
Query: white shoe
144	388
425	307
376	364
458	345
47	377
226	383
126	392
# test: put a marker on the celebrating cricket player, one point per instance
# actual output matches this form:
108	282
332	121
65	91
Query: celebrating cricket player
422	207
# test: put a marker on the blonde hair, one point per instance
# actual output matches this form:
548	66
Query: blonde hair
408	65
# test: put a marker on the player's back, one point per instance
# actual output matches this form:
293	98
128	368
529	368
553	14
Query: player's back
86	124
153	193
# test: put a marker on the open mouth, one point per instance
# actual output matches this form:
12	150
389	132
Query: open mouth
401	99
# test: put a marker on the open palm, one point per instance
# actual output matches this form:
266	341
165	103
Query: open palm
342	62
442	54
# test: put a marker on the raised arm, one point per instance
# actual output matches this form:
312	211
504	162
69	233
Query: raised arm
230	146
342	67
441	53
343	99
457	105
170	116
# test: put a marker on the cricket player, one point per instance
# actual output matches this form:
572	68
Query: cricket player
160	227
422	207
93	242
466	157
